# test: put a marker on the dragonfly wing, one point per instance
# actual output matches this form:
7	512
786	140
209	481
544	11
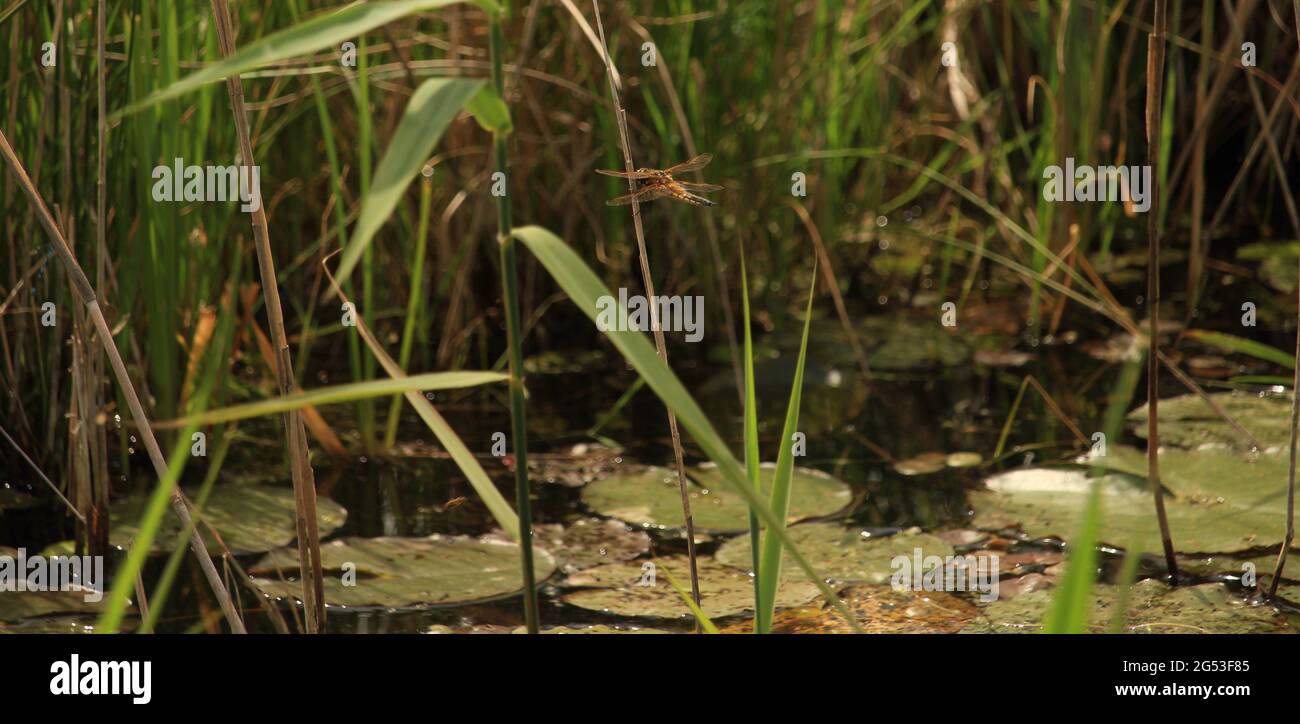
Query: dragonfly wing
649	193
694	164
626	174
699	187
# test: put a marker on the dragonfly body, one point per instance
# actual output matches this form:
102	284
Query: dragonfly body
657	184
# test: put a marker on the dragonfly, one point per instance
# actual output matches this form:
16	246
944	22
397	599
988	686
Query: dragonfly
656	184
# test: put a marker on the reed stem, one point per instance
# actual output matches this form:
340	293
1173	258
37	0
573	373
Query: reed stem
304	486
1155	86
1289	537
648	281
510	290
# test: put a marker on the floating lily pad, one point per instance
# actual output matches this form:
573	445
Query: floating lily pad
878	609
839	553
591	542
1153	607
1188	421
650	497
19	605
638	589
250	519
1219	502
401	572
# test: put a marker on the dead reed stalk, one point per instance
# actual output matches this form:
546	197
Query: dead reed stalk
304	485
624	143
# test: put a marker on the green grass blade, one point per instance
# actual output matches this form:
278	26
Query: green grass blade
431	109
705	622
341	393
752	456
310	36
769	563
1240	345
1073	599
159	503
584	288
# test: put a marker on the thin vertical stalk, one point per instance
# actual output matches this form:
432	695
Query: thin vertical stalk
1155	83
510	291
648	281
304	486
83	289
1295	421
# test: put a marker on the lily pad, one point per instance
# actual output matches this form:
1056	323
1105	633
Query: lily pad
1188	421
16	605
878	609
591	542
1220	501
650	497
250	519
404	572
630	589
1153	607
839	553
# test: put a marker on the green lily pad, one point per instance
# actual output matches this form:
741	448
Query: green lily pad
650	497
250	519
839	553
16	605
403	572
1153	607
629	589
1219	501
1188	422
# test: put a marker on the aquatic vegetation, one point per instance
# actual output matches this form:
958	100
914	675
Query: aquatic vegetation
1003	286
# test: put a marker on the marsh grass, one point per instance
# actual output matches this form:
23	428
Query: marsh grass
965	143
